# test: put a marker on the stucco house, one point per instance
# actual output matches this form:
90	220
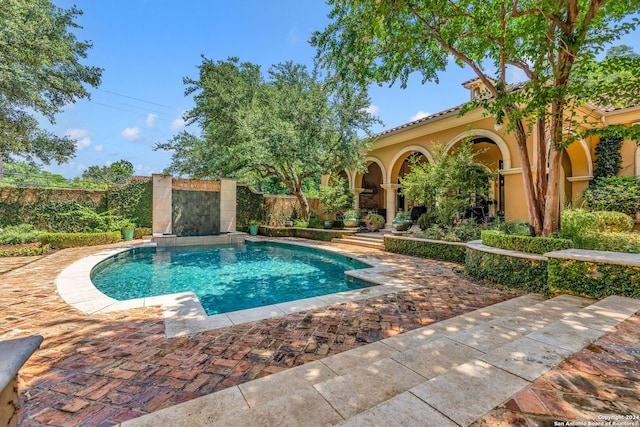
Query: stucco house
387	161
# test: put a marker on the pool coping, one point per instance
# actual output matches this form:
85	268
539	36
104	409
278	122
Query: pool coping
182	312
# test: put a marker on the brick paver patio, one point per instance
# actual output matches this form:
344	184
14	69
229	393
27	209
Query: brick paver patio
99	370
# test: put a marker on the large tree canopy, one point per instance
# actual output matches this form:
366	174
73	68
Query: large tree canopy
40	72
286	125
554	43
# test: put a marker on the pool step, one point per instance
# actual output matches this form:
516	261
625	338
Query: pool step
369	240
449	373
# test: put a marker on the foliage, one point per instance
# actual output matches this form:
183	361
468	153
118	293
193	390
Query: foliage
132	200
19	234
511	227
336	197
72	240
288	125
614	193
426	249
351	214
26	174
25	251
375	222
139	232
115	173
608	159
249	205
449	185
464	232
40	72
576	224
314	222
613	221
531	273
554	44
301	223
532	245
402	215
592	279
305	233
426	220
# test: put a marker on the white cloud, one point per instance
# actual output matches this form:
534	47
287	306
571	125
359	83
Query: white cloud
372	109
177	124
98	148
151	118
81	136
132	134
420	114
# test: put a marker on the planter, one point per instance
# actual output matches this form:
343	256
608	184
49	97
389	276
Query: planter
127	233
402	224
350	222
288	223
328	224
253	230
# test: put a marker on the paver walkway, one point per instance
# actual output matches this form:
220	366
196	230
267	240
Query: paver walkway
98	370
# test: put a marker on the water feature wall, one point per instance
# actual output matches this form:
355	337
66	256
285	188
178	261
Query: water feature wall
184	207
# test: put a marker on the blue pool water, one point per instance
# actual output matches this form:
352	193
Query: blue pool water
227	278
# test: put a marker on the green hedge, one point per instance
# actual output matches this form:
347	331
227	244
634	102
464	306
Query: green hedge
304	233
593	279
139	232
527	244
133	200
71	240
435	249
514	272
25	251
250	206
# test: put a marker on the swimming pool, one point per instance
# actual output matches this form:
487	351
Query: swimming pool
227	278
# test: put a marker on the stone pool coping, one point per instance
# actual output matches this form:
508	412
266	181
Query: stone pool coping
183	313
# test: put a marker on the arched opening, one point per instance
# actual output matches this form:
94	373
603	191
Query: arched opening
490	154
405	168
566	186
371	197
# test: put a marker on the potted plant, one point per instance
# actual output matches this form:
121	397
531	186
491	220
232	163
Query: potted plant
253	227
374	222
402	221
127	230
351	218
335	197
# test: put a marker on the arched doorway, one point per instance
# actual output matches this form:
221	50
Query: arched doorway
404	169
371	195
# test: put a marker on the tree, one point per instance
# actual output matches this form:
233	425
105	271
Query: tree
555	43
115	173
40	72
448	186
287	126
336	196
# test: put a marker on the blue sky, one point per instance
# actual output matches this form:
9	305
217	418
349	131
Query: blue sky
146	47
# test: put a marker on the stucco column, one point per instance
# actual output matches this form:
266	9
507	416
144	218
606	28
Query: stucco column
228	204
162	200
356	197
390	193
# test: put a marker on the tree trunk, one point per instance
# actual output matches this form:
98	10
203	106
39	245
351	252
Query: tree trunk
552	203
304	203
533	207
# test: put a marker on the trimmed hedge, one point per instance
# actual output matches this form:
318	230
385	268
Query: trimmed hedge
593	279
25	251
514	272
71	240
139	232
527	244
305	233
436	249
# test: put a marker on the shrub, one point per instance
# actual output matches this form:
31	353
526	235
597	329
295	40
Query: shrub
441	250
139	232
614	193
70	240
426	220
511	227
594	279
576	224
19	234
613	221
528	244
611	241
25	251
465	232
531	273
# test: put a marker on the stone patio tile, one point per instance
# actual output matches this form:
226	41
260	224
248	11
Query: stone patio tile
526	358
367	386
265	389
347	361
300	305
522	324
469	391
402	410
567	335
412	339
605	314
201	411
252	314
305	408
436	357
485	337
